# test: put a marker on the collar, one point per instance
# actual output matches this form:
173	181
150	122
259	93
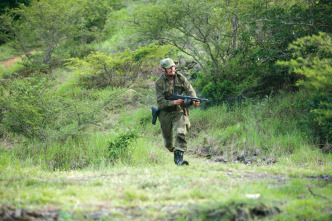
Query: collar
165	78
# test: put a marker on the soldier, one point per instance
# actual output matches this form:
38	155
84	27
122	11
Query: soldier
173	116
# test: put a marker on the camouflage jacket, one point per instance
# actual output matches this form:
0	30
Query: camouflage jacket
164	88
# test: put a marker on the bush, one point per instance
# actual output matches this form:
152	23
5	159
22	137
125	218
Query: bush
27	107
102	70
316	116
118	147
312	59
30	107
214	88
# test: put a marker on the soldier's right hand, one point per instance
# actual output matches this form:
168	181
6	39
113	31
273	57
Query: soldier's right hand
178	102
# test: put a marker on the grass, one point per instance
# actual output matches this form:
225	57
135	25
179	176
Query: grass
166	191
11	71
250	126
7	52
77	178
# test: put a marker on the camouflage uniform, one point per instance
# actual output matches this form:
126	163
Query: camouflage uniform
172	117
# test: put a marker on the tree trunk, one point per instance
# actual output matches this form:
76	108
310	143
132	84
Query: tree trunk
234	21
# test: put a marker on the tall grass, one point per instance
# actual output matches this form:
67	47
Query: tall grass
85	152
264	126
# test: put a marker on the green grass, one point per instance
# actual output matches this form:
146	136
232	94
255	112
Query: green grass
157	191
250	126
78	177
12	71
7	52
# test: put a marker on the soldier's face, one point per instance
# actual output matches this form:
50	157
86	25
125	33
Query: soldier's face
169	71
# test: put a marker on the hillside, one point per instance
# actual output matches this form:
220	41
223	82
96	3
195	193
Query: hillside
246	162
77	83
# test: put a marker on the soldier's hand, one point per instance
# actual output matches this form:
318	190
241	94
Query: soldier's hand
178	102
196	103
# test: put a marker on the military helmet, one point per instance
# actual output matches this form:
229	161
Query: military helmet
167	63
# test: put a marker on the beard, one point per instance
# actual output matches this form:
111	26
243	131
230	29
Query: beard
171	73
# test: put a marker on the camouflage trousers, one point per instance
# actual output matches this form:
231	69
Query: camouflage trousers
174	124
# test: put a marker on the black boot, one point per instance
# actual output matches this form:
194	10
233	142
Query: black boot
178	158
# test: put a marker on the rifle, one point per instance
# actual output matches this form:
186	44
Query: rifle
188	101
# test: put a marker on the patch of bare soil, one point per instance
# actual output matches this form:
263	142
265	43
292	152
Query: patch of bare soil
253	156
10	214
230	212
13	60
322	177
234	211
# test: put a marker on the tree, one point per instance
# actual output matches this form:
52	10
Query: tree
9	4
51	24
312	59
116	70
44	22
205	30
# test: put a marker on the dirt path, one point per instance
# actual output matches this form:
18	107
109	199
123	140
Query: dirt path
9	62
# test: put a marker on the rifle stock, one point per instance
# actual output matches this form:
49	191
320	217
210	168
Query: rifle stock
155	113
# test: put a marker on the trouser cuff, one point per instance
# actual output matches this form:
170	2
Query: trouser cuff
170	147
183	149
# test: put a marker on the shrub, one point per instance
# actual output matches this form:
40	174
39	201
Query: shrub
316	116
102	70
27	107
215	88
30	107
312	59
118	147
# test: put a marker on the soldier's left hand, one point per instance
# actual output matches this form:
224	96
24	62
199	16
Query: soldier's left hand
196	103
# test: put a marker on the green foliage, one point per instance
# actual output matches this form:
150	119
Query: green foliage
7	52
11	72
314	116
118	148
214	88
236	41
32	108
48	23
27	107
9	4
118	34
94	15
194	27
236	44
102	70
312	59
53	25
266	126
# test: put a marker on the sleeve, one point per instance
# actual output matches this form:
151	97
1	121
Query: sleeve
188	89
161	100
